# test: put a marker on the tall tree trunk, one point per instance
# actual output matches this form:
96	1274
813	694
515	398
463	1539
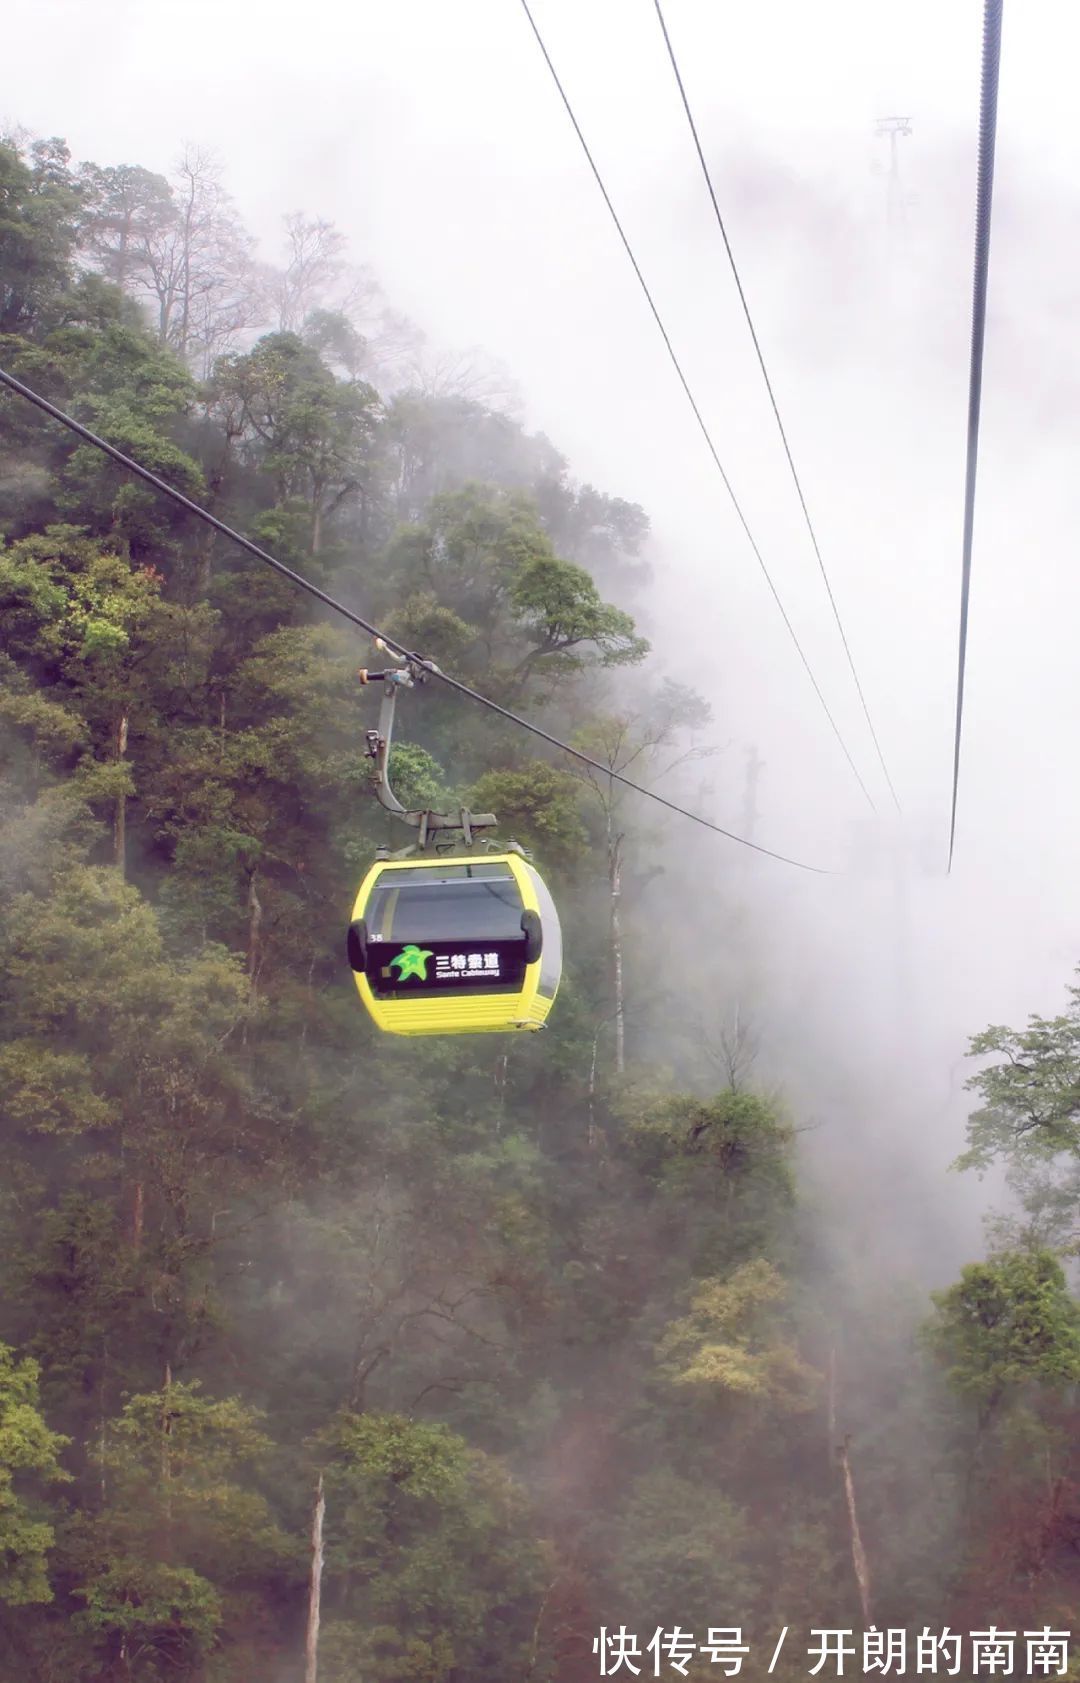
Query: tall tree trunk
204	548
615	886
590	1133
858	1553
120	274
831	1405
185	307
166	1461
311	1646
137	1215
103	1421
537	1627
254	921
120	817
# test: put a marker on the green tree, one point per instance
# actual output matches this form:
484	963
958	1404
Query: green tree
432	1567
125	209
1029	1121
484	555
539	806
29	1454
314	435
1031	1100
38	205
1007	1323
163	1566
559	608
552	1318
730	1345
678	1546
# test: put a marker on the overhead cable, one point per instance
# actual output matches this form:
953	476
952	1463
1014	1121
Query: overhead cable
772	397
693	404
991	64
302	583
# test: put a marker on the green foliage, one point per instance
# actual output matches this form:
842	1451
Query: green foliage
50	1091
416	779
559	607
422	623
429	1540
1007	1323
315	436
1031	1101
392	1455
552	1332
124	209
38	202
728	1345
27	1448
737	1136
485	557
539	806
179	1531
168	1615
678	1547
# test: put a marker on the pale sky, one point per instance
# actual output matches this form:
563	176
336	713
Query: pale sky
430	132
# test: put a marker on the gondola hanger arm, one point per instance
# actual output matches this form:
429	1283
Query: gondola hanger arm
409	671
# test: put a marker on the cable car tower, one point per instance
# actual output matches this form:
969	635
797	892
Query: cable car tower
894	127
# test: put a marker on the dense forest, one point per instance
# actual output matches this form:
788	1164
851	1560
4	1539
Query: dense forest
550	1341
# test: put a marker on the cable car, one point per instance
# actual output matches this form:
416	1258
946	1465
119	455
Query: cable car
466	945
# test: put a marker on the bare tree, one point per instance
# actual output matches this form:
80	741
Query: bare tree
225	313
315	260
735	1048
397	349
468	374
196	265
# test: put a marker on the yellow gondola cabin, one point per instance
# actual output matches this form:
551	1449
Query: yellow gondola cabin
468	945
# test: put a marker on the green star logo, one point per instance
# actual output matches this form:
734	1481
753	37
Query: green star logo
413	962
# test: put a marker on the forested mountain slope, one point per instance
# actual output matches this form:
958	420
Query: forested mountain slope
558	1332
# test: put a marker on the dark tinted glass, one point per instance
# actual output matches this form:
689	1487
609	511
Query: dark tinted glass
444	907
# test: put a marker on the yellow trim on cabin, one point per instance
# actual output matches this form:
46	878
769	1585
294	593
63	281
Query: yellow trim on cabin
492	1013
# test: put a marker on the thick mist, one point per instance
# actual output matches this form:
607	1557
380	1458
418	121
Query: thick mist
433	137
